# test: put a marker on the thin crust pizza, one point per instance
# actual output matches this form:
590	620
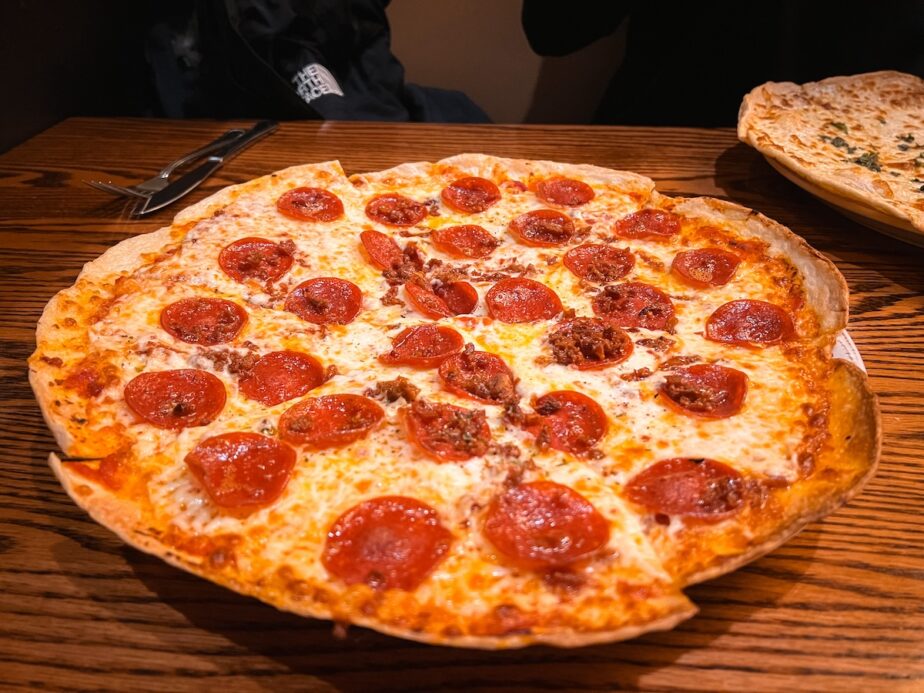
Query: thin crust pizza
480	402
860	136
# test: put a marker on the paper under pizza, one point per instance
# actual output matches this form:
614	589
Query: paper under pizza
480	402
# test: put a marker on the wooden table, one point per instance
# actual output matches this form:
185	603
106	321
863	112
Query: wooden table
841	606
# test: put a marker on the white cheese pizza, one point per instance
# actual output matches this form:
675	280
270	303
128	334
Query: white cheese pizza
481	402
861	137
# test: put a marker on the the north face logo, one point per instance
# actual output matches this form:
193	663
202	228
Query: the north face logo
315	80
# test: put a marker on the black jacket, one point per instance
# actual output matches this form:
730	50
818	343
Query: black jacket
288	59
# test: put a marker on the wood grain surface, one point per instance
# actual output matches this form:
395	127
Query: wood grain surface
840	607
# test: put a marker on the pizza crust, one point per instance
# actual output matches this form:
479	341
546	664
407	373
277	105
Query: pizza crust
684	611
476	164
520	169
776	116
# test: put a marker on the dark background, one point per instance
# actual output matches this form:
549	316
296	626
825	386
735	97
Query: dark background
669	63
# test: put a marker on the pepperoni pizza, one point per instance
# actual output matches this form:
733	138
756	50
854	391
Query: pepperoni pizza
480	402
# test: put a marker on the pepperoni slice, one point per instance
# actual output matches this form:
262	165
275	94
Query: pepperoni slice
204	321
393	209
599	263
568	421
460	297
635	304
471	194
703	489
543	525
542	227
444	300
325	301
310	204
446	432
390	542
424	346
242	470
255	258
479	375
517	299
648	224
749	322
382	249
427	302
705	391
588	343
705	267
564	191
329	420
176	399
280	376
469	241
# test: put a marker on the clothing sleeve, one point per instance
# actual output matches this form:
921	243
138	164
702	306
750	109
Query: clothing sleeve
556	28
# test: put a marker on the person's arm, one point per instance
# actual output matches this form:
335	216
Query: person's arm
558	28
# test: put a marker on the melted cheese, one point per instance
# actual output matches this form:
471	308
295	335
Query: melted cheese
472	579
